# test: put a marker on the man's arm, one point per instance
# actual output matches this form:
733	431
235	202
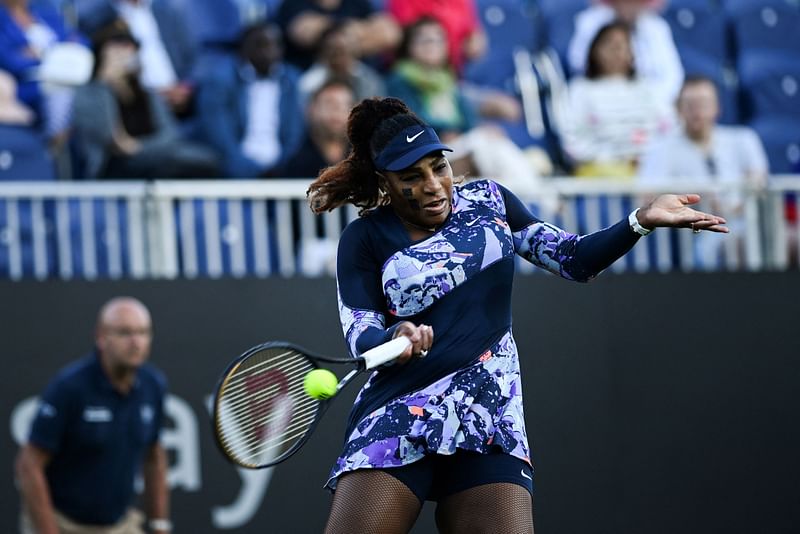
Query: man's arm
30	464
156	490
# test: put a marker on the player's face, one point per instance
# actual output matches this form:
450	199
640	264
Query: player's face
124	336
422	194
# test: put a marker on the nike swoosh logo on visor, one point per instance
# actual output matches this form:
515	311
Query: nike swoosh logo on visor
411	139
526	476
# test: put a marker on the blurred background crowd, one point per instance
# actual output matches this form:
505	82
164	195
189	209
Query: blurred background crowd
637	90
648	90
96	89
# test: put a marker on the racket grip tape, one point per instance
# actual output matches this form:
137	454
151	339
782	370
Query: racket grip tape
385	352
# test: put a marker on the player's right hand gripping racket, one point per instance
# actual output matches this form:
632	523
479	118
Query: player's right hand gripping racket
262	414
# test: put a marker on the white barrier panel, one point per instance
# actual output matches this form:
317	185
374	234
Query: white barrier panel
169	229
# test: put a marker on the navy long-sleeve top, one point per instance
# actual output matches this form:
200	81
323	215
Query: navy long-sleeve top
458	280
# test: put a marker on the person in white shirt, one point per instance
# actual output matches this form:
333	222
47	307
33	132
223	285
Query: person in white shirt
707	152
613	114
656	57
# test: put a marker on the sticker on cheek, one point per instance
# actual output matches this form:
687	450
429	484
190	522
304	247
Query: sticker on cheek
408	193
414	204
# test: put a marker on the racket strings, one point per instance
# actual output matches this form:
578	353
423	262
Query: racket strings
300	422
253	365
253	443
300	367
262	409
241	400
256	452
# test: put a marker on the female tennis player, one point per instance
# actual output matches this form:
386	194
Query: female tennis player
434	261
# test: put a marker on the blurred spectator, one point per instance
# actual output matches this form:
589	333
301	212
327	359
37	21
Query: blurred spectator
250	111
705	151
124	130
337	56
23	152
326	130
326	143
28	32
423	78
656	58
12	111
166	48
613	114
304	22
465	38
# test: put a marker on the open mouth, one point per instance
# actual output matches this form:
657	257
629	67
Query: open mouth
436	207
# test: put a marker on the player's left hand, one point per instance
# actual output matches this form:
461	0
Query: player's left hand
674	211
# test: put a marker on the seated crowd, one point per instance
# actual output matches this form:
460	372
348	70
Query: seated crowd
149	98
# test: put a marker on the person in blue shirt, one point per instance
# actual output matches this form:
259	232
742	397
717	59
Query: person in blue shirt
249	110
97	426
434	261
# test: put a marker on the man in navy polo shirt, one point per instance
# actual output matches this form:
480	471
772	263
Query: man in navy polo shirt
96	428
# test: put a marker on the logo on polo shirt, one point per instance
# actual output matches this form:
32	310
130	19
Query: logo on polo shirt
47	410
147	413
97	414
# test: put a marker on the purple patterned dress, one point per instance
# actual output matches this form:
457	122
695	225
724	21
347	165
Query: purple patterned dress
467	393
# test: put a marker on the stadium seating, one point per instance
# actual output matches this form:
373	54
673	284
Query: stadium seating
216	21
781	138
770	82
698	25
765	24
23	155
509	24
702	37
559	23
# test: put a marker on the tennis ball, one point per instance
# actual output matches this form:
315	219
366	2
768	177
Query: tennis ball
320	384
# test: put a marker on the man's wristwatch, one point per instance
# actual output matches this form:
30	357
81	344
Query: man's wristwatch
634	224
160	524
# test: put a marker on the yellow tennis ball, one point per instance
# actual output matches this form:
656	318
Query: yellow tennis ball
320	384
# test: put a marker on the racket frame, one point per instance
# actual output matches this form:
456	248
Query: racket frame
368	360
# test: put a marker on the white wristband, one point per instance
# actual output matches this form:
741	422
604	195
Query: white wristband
634	224
160	524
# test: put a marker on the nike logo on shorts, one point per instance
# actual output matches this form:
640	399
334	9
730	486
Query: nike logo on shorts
411	139
522	472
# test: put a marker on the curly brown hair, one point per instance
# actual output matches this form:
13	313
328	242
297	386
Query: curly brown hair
372	123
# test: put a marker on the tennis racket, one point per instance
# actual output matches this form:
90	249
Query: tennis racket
262	413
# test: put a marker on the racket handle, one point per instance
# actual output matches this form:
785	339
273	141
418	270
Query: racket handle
386	352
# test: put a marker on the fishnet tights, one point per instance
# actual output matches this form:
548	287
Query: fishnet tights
373	501
501	507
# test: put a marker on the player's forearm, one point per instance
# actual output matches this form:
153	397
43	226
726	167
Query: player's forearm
155	481
597	251
36	497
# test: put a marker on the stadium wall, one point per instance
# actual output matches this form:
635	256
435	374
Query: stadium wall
655	403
